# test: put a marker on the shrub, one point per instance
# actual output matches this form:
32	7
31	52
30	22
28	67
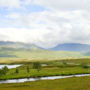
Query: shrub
4	70
37	65
17	71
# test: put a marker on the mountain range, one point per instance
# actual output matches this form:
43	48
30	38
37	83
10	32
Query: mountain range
75	47
22	50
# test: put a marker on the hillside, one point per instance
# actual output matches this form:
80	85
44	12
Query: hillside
28	51
76	47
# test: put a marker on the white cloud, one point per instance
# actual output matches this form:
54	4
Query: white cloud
14	3
10	3
64	4
23	35
49	28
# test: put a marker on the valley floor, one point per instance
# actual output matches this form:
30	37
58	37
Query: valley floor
74	83
51	69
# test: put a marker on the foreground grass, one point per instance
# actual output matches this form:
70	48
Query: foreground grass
74	83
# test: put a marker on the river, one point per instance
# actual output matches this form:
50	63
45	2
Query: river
41	78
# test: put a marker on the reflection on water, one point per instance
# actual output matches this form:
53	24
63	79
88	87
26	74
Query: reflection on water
9	66
42	78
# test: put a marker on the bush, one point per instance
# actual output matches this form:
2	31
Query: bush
17	71
37	65
4	70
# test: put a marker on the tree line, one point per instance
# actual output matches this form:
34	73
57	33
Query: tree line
36	65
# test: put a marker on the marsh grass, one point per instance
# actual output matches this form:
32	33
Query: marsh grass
74	83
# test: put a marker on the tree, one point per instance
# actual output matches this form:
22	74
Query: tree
4	71
28	69
17	71
1	72
37	65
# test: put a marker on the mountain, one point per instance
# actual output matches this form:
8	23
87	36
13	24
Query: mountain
17	45
76	47
10	49
29	51
13	44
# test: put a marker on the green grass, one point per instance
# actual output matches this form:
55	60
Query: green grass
40	54
45	54
50	70
74	83
53	68
49	61
68	61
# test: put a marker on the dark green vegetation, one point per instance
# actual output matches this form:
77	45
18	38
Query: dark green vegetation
37	65
4	71
74	83
17	71
53	68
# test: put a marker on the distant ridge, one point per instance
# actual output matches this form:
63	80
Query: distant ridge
30	51
18	45
76	47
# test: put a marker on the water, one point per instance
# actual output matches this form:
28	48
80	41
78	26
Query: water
42	78
9	66
44	64
14	66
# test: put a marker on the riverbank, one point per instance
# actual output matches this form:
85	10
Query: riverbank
41	78
73	83
49	70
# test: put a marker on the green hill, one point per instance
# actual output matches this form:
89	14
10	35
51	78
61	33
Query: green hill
37	54
27	51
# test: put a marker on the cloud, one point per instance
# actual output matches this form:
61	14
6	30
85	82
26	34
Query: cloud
13	3
23	35
66	21
50	28
64	4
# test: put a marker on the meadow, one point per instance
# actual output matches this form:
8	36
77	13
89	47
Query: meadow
52	68
40	54
74	83
58	67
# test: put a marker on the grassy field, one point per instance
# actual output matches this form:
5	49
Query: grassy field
46	54
40	54
53	68
48	61
74	83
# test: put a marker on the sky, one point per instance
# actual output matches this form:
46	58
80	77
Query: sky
45	23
